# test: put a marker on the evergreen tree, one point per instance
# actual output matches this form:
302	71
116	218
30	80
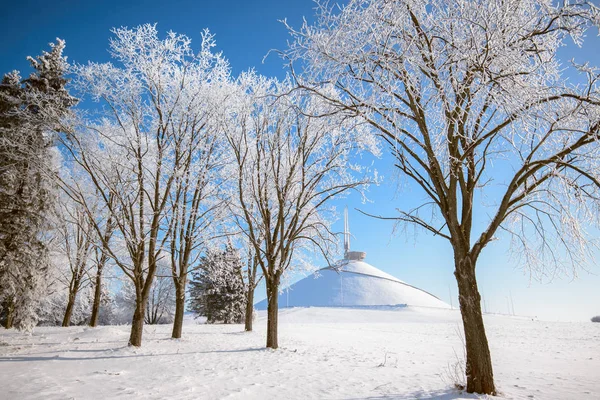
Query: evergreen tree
217	289
30	110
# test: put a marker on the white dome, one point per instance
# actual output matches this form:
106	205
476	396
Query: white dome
353	284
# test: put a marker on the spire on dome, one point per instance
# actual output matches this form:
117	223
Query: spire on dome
346	233
350	255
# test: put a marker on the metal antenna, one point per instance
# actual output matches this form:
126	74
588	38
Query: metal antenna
346	233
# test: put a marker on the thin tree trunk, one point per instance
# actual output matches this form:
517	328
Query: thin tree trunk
151	310
10	314
108	232
69	311
480	376
97	297
249	308
179	309
272	313
137	323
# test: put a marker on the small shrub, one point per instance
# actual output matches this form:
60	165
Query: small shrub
454	374
596	318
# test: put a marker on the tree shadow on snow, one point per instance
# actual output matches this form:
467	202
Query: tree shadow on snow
447	394
58	357
6	358
73	342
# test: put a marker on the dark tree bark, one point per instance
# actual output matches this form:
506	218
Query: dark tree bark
272	311
249	309
179	307
479	372
10	314
69	310
97	298
137	324
9	319
73	290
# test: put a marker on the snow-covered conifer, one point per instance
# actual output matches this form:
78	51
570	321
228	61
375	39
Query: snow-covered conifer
30	112
217	289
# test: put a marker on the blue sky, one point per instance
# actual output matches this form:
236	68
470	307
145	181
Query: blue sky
245	32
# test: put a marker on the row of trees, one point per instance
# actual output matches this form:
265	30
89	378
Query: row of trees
178	157
470	98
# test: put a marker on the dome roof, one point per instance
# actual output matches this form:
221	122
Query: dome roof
353	283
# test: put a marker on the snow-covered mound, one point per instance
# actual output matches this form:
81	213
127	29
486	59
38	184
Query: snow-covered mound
363	315
353	284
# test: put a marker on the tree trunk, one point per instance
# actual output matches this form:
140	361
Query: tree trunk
272	313
179	310
480	376
69	311
249	308
137	323
10	314
97	297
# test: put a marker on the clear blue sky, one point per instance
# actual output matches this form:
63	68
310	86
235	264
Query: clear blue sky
245	31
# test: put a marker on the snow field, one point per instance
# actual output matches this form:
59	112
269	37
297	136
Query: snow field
326	353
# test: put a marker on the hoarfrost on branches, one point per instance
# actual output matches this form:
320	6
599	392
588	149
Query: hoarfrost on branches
472	100
291	155
144	144
31	112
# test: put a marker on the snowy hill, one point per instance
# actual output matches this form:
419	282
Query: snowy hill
366	314
353	283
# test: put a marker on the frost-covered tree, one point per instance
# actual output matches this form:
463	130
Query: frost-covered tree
251	281
196	206
161	301
101	259
84	227
137	151
50	308
160	307
473	101
124	301
75	242
217	289
31	111
290	156
71	293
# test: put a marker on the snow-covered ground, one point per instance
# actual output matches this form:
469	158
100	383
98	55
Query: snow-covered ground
326	353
